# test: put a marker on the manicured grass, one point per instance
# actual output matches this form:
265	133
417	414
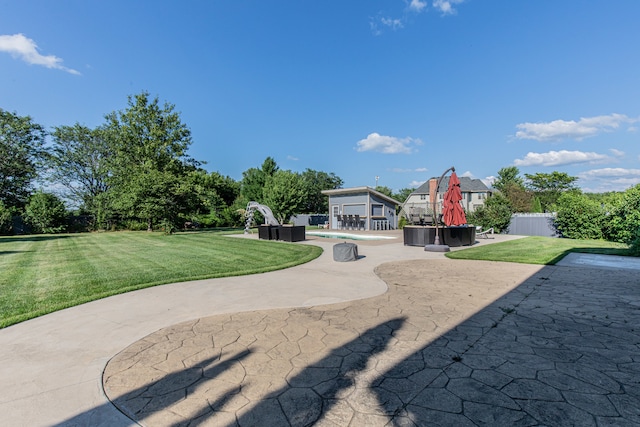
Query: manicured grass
42	274
538	250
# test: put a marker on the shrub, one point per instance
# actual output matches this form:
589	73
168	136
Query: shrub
496	214
6	218
623	222
45	213
579	217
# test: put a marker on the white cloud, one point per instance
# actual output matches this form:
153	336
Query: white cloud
561	129
616	153
468	174
402	170
488	181
387	144
417	5
557	158
609	179
379	23
392	23
446	6
610	173
416	184
26	49
295	159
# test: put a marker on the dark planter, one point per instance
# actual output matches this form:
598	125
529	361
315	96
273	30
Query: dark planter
292	233
458	236
266	232
415	235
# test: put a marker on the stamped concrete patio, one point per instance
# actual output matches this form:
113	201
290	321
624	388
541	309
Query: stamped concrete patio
453	343
434	342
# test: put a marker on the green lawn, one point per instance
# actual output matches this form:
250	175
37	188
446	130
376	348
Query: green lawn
538	250
42	274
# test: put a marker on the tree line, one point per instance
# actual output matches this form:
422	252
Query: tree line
613	216
134	172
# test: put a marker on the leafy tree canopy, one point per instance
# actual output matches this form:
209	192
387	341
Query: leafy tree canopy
79	161
285	194
314	182
508	177
549	186
149	161
21	151
254	180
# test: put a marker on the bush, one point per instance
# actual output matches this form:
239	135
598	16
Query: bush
579	217
45	213
6	218
496	214
623	222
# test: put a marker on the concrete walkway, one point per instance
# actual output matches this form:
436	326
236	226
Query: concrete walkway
449	343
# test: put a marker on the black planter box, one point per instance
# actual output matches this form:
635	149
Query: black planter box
451	236
418	235
458	236
292	233
268	232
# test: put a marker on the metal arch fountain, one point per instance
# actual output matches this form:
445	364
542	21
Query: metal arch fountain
264	210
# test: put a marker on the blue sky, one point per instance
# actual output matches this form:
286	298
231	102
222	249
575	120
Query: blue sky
395	89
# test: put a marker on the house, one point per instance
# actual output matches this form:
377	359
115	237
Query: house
419	203
361	208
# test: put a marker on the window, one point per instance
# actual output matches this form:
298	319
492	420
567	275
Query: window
423	197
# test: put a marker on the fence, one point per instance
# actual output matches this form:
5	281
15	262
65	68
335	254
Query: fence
533	224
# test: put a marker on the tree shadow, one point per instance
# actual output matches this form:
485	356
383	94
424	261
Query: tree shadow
158	395
33	238
306	398
554	351
311	394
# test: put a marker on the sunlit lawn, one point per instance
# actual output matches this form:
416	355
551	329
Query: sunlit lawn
538	250
42	274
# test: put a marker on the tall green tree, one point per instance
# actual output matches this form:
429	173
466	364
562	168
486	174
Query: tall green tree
149	144
79	161
254	180
285	194
520	199
21	152
508	176
315	182
384	190
549	186
403	194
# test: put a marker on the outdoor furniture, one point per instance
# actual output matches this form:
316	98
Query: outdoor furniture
381	223
418	235
264	231
358	222
484	234
343	252
292	233
458	236
345	222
